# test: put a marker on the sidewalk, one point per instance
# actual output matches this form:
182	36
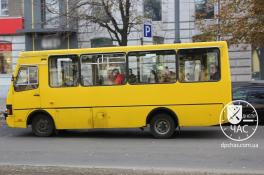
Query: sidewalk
2	109
58	170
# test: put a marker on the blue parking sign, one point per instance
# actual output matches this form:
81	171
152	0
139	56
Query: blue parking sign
147	30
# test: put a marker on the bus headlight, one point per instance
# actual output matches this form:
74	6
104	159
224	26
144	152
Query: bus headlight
9	110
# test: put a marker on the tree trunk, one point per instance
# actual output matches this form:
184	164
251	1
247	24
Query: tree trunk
124	40
261	62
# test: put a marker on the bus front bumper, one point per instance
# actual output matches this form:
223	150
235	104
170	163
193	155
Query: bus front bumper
10	120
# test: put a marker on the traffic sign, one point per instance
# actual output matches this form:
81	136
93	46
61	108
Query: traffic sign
147	30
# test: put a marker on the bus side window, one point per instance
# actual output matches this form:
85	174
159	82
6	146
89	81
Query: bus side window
27	78
103	69
199	65
152	67
63	71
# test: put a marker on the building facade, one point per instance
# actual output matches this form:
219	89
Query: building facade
45	26
11	42
161	14
41	24
30	26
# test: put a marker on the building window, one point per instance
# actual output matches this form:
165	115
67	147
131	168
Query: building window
158	40
150	67
4	8
199	65
255	65
5	58
52	41
50	13
63	71
101	42
103	69
204	9
152	9
98	11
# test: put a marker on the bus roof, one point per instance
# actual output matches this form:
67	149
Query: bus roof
27	54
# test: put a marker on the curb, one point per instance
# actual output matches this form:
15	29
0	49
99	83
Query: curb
57	170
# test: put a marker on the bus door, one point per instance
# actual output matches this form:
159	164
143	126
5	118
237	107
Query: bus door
102	77
62	95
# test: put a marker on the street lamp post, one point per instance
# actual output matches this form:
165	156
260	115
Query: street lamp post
177	21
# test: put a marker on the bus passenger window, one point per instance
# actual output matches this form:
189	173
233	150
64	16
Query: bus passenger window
199	65
63	71
150	67
103	69
27	78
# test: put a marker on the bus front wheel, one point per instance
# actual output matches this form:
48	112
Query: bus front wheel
42	126
162	126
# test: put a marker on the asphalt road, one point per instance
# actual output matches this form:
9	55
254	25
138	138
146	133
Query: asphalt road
192	149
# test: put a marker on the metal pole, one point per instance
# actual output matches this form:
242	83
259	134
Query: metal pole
219	27
177	21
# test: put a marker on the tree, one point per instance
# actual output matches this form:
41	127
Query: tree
118	17
239	21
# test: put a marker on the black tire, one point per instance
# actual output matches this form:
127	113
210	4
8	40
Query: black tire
42	126
162	126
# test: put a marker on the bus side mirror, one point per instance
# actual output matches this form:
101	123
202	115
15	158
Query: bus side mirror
13	79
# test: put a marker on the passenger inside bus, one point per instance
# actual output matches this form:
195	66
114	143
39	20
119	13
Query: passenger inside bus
153	78
214	72
132	77
118	77
166	75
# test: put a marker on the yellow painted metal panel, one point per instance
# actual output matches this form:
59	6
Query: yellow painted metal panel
120	117
79	118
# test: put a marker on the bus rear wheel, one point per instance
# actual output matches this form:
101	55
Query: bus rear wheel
162	126
42	126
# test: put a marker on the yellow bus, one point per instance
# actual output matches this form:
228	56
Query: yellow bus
163	87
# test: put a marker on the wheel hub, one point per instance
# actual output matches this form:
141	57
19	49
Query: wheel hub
162	126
